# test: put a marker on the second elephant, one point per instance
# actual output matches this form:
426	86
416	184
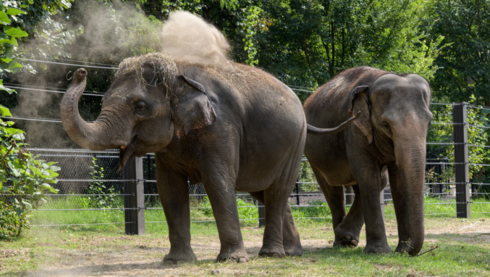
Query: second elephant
387	141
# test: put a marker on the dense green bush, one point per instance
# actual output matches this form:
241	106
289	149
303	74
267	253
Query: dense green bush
23	178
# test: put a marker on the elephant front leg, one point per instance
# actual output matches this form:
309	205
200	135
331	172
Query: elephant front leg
222	197
366	171
174	195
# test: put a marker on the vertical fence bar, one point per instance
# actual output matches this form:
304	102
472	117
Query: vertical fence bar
461	160
382	202
134	213
349	195
261	214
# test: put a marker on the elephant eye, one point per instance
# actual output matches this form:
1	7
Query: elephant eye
139	106
387	127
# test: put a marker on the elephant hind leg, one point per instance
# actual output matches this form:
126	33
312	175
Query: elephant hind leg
291	241
349	229
335	199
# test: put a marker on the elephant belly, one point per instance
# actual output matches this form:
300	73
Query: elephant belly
331	163
339	179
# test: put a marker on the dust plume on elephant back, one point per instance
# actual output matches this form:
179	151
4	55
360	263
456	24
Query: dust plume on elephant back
189	38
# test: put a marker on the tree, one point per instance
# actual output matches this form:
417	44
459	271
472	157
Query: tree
465	64
308	42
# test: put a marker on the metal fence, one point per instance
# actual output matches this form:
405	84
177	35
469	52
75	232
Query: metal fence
89	182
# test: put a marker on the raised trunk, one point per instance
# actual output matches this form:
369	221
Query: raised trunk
410	159
87	135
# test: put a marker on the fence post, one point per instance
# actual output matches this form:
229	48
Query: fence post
134	213
261	214
297	192
460	125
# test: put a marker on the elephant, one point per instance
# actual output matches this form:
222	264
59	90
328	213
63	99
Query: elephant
385	144
231	128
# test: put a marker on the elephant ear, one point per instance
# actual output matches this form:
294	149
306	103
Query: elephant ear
360	102
192	110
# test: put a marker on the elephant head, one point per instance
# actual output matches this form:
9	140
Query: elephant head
395	118
147	105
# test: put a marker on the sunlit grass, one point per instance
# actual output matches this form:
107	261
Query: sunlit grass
113	219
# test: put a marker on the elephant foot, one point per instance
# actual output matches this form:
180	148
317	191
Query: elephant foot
275	252
294	249
377	248
345	243
238	255
175	257
345	238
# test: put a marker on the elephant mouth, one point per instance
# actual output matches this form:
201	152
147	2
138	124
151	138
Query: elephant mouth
126	152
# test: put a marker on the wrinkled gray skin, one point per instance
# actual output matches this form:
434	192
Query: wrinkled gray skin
386	141
236	129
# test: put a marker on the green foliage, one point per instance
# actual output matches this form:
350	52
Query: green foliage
103	195
317	210
465	65
247	211
23	178
315	40
8	41
249	26
307	179
477	137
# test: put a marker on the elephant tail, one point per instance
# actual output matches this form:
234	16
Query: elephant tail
331	131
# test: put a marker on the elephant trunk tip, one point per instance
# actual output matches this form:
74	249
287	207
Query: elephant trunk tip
413	247
80	74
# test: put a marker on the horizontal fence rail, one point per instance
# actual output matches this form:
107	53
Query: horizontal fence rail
89	183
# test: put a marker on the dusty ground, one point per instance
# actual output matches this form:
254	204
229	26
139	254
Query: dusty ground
118	255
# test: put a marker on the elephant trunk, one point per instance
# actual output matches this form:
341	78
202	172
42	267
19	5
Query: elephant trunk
410	158
87	135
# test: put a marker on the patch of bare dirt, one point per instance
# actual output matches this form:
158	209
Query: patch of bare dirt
12	253
142	256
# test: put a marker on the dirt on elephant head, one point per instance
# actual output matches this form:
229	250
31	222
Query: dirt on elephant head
164	68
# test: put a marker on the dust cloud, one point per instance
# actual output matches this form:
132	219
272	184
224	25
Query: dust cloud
188	37
91	33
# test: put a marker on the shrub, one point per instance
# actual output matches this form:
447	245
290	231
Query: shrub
23	179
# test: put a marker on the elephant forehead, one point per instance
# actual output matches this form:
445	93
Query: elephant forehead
158	67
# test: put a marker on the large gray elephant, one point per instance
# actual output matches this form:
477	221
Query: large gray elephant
231	128
388	139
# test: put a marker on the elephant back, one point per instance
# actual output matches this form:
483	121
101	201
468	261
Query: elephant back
334	96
